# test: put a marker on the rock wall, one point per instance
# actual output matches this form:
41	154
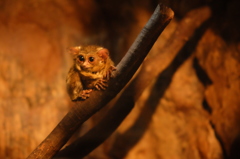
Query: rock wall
198	105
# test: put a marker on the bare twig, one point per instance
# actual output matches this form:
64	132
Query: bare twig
125	70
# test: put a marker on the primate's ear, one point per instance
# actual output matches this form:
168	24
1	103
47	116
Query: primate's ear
74	50
104	53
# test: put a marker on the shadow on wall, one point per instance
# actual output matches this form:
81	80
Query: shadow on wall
126	141
235	149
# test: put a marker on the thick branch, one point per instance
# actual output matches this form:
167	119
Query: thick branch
176	45
125	70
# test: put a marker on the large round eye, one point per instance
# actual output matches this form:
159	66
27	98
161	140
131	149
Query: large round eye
81	58
91	59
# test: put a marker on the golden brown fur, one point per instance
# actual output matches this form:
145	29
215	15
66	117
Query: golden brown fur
92	68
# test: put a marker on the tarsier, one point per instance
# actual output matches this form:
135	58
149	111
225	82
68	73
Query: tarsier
91	69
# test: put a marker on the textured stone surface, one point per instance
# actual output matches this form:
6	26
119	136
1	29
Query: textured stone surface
196	117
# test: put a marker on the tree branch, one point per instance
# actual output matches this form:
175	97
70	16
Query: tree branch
176	45
125	70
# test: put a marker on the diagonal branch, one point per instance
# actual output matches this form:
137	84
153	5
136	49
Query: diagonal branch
125	70
175	50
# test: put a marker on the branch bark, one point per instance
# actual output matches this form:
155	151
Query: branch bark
176	45
125	70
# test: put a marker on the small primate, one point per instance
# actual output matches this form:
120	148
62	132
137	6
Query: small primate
91	69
